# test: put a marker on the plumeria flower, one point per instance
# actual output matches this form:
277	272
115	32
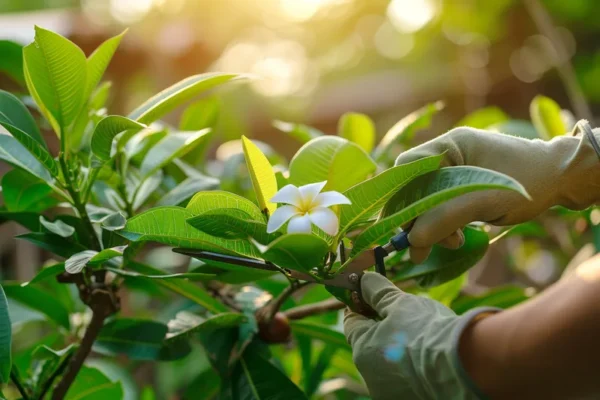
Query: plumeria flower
306	205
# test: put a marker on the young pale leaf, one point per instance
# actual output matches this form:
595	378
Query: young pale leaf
484	118
182	287
333	159
77	262
300	132
444	265
5	339
11	62
57	227
427	191
359	129
138	339
320	332
91	384
36	149
13	153
114	222
170	98
186	189
98	61
168	225
207	201
24	192
231	223
261	174
172	146
297	251
404	130
545	115
53	243
39	300
369	197
107	129
16	114
55	72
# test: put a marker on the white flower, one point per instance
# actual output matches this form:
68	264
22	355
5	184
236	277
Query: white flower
306	206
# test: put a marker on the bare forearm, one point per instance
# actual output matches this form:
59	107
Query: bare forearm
545	348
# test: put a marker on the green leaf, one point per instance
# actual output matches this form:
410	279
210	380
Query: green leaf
107	129
404	130
208	383
201	114
333	159
501	297
57	227
207	201
483	118
24	192
174	145
182	287
39	300
233	274
138	339
100	96
168	225
55	72
447	292
91	384
545	115
13	153
98	61
255	378
36	149
11	62
320	332
114	222
29	220
322	364
261	174
170	98
46	362
53	243
427	191
297	251
300	132
369	197
46	273
359	129
16	114
191	276
5	339
231	223
92	258
146	189
186	189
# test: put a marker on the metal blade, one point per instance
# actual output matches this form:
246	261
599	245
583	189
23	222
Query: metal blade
242	261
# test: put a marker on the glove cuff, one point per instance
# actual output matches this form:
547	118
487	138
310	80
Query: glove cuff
466	320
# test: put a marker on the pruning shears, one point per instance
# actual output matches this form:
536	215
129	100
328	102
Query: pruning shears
348	278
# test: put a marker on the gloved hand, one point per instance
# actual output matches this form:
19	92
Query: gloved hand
563	171
412	353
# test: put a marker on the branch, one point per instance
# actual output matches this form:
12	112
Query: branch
269	310
314	309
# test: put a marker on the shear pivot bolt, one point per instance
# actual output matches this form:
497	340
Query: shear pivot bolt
353	277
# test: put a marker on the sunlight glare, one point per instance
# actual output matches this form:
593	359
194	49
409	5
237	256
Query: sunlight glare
410	15
303	10
130	11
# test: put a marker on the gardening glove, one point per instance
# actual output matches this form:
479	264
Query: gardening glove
412	352
563	171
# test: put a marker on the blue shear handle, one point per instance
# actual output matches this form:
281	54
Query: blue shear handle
400	241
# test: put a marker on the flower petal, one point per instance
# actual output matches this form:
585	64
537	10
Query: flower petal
280	217
328	199
289	194
299	224
309	192
325	219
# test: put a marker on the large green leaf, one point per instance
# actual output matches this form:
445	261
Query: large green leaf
230	273
255	378
444	265
13	152
16	114
46	273
231	223
201	114
297	251
24	192
262	175
186	189
404	130
426	192
5	339
55	72
172	146
359	129
369	197
168	225
207	201
107	129
502	297
53	243
33	146
182	287
190	276
545	115
91	384
138	339
27	219
39	300
333	159
300	132
483	118
98	61
323	333
170	98
11	62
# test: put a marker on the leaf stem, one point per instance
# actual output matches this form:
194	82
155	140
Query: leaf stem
14	376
